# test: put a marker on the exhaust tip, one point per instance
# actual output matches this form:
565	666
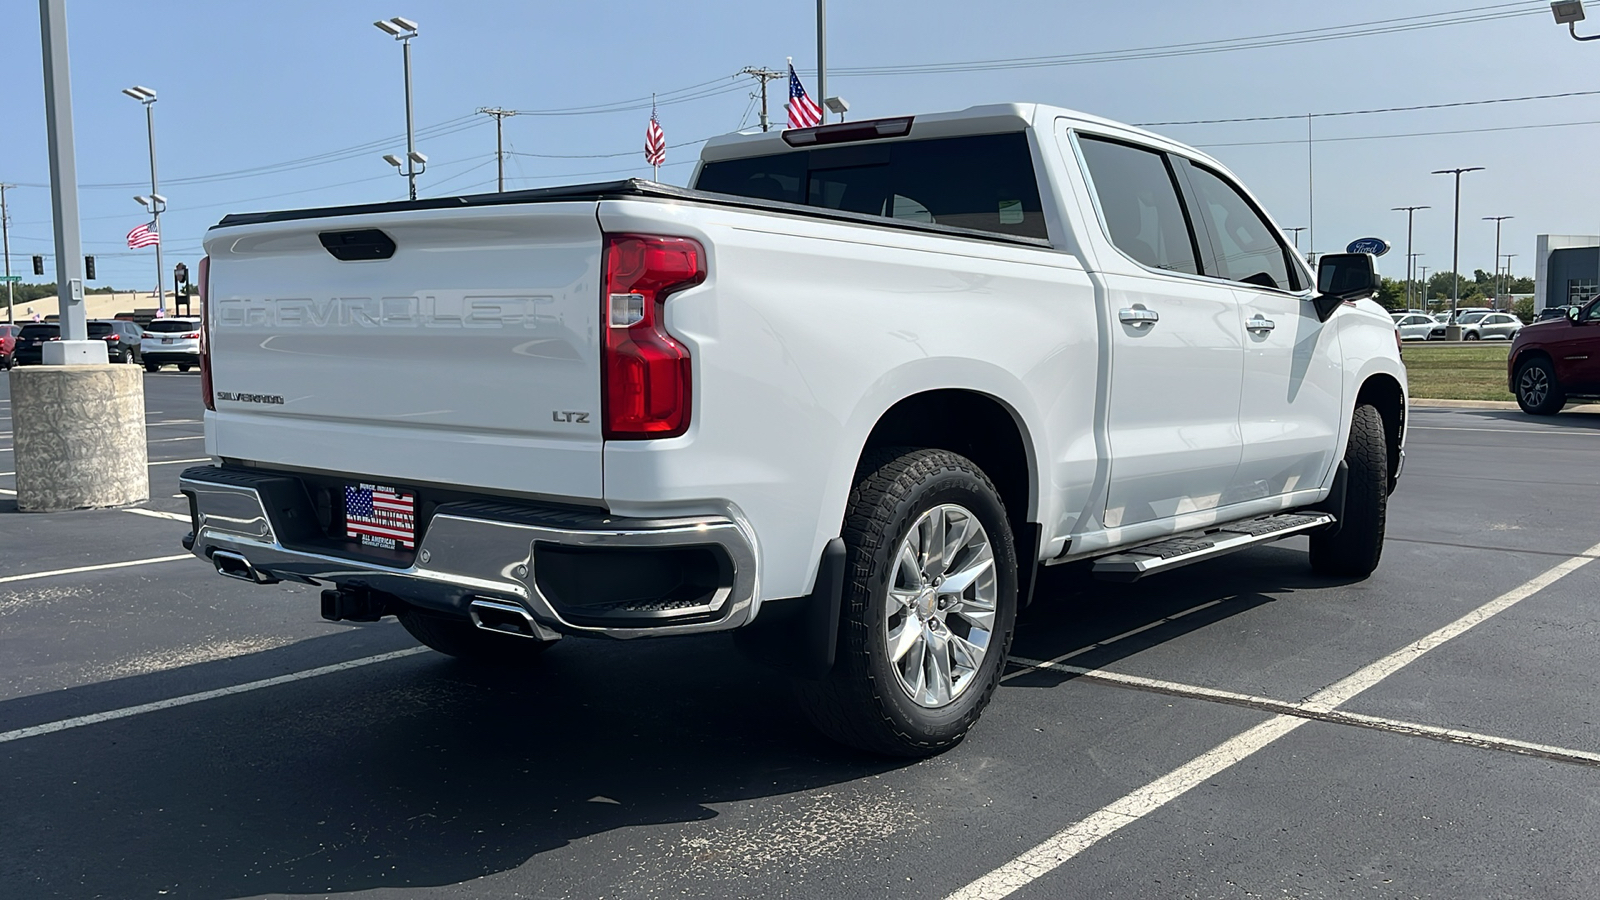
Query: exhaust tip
507	618
234	565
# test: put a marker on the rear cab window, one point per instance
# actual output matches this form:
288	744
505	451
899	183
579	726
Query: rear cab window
1139	201
979	183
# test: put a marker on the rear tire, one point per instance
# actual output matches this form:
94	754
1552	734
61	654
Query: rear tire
458	637
1471	336
1356	545
183	367
916	664
1538	392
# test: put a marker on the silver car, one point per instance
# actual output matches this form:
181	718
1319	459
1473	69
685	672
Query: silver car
1413	326
1493	326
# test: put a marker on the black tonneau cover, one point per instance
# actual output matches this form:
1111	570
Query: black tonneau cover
629	189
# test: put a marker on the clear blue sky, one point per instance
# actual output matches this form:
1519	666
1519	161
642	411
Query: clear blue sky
249	85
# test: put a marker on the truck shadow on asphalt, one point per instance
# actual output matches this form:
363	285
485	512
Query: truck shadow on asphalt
427	772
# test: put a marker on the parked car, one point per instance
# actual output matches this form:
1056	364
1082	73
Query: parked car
31	340
1556	360
171	342
1494	326
1553	312
1413	326
8	344
846	423
1464	318
122	339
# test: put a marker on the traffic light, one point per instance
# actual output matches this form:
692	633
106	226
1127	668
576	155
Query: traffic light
38	264
88	268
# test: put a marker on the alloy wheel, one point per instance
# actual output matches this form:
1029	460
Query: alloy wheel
941	607
1534	386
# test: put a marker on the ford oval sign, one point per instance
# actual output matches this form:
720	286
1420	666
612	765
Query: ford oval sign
1375	246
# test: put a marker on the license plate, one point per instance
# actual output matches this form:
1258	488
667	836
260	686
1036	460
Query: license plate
166	340
380	516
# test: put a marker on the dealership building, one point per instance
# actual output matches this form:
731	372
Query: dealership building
1568	269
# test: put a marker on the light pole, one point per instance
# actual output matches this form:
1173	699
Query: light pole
156	205
5	236
1455	255
403	30
1570	13
1508	258
1497	220
822	51
1421	286
1295	232
1410	212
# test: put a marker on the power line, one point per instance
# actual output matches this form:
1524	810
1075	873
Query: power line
1366	112
1381	137
1402	24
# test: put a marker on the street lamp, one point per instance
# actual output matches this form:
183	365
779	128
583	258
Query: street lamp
837	105
1570	13
1423	283
1421	286
403	30
1410	212
1455	255
1296	232
1497	220
155	202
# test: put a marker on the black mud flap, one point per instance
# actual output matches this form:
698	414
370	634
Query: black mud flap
800	636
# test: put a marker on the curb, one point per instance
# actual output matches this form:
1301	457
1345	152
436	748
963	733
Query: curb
1423	403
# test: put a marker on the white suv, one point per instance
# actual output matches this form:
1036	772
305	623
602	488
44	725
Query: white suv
170	342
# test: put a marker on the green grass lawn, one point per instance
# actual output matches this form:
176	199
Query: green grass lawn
1457	373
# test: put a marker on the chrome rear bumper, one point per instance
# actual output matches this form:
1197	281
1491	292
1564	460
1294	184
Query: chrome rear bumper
263	525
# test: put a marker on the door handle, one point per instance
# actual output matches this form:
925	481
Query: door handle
1138	318
1259	324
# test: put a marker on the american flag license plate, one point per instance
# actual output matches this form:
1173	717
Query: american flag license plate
380	516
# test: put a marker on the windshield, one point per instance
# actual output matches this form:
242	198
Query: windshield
171	326
99	329
40	330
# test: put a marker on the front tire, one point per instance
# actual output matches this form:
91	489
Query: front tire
930	599
458	637
1356	544
1538	392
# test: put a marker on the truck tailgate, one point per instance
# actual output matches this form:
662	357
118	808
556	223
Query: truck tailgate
470	354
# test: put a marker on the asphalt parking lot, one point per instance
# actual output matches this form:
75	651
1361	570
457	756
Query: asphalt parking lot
1240	728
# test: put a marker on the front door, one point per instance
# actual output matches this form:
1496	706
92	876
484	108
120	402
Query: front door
1291	400
1177	353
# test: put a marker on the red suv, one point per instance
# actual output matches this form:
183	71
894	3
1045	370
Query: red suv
8	344
1557	360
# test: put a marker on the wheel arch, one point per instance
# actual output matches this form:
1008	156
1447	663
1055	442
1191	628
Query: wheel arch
1383	391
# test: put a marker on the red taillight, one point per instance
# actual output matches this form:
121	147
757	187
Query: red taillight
192	335
645	373
205	326
113	337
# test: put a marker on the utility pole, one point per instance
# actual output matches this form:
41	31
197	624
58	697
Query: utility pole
764	76
500	115
1410	212
822	52
1497	220
5	235
1421	285
1455	253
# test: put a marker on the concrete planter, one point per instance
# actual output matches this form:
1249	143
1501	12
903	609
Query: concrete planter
79	436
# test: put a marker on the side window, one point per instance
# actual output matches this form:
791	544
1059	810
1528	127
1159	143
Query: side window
1139	200
1249	249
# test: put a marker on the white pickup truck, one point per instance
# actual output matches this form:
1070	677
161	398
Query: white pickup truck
844	398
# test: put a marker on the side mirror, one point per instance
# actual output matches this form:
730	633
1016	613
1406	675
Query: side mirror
1344	277
1572	313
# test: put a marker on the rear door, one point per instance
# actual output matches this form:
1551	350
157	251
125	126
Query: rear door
1176	347
456	346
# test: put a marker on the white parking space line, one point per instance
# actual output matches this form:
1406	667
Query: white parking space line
158	514
1066	844
1338	717
178	422
161	462
96	568
192	437
187	699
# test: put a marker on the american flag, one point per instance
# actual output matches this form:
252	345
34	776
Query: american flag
143	236
655	143
803	111
380	516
